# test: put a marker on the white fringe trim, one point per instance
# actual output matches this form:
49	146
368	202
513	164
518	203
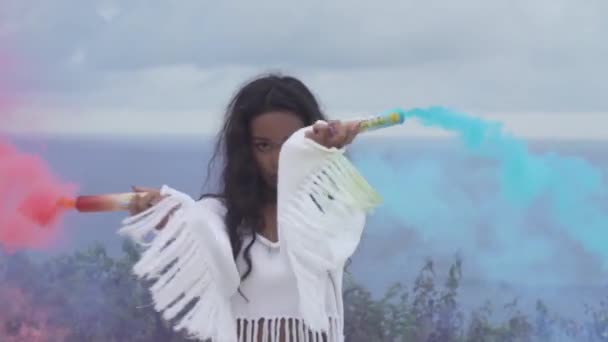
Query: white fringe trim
319	227
179	262
286	329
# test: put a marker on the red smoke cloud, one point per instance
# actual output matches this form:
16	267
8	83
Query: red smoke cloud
29	216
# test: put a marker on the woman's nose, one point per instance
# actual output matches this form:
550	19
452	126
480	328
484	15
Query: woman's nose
274	159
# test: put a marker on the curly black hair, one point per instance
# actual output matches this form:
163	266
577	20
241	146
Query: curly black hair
241	187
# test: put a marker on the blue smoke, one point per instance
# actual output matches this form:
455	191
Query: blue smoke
515	212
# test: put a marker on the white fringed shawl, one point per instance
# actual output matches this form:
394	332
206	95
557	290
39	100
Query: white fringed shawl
318	190
190	259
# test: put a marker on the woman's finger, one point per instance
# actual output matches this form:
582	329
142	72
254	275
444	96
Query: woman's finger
319	133
353	130
140	202
137	188
150	199
133	206
338	134
137	205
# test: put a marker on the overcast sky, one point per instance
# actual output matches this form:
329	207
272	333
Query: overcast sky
146	67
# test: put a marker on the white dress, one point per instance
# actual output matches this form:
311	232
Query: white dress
294	292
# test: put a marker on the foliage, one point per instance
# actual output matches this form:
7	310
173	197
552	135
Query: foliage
90	296
95	297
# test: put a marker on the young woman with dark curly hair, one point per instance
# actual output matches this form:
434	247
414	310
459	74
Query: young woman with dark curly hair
261	260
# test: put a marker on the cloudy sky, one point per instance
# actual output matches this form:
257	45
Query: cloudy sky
148	67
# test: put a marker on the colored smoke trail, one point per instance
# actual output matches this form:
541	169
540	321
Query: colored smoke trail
29	216
533	210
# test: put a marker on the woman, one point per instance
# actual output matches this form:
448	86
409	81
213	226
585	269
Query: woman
262	260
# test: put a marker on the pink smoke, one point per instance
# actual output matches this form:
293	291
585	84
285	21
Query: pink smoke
29	190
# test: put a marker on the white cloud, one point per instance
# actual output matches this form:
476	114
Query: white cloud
160	57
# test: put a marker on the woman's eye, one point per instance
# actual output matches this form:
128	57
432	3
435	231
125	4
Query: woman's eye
262	146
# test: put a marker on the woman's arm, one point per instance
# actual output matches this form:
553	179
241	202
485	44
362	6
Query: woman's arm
190	259
322	206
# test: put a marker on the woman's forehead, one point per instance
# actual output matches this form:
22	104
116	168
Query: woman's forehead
275	125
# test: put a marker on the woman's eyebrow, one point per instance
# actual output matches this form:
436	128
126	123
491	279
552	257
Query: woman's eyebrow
269	139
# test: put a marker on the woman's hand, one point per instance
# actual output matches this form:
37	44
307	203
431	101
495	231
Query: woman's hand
145	199
148	198
334	134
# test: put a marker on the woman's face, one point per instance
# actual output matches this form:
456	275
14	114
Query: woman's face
268	133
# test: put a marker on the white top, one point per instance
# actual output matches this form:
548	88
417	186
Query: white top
294	292
271	287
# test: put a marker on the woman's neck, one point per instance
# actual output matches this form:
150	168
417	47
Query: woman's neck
269	229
